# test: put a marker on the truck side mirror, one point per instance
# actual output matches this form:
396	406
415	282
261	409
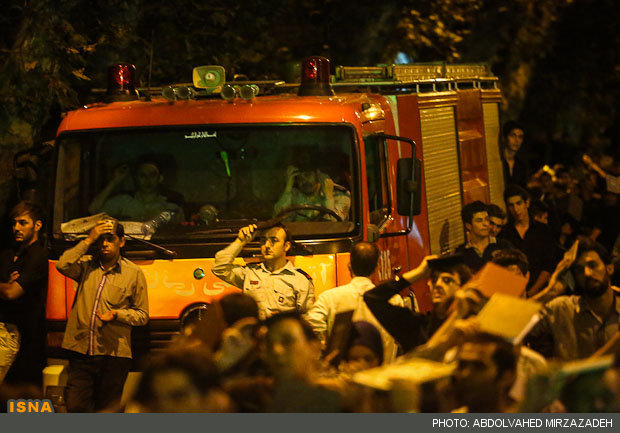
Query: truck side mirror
409	186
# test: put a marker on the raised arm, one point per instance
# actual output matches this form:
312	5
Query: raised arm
120	173
593	166
286	199
224	268
401	323
69	263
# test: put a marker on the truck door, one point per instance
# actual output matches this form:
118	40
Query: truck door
393	248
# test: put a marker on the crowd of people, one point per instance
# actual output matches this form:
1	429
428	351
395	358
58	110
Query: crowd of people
275	347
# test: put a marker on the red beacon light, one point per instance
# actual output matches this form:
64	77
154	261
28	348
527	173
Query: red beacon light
315	77
122	82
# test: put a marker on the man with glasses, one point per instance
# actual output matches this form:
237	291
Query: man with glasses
274	283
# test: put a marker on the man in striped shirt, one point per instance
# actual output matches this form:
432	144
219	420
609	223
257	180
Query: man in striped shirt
111	298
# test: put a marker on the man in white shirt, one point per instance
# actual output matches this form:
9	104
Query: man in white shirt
364	259
275	284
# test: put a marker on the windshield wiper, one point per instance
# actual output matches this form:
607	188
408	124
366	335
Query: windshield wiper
166	251
262	225
211	232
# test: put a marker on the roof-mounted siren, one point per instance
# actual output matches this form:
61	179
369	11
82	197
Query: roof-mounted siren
122	82
315	77
210	77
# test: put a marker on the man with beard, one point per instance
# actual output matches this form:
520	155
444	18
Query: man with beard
111	298
23	290
574	327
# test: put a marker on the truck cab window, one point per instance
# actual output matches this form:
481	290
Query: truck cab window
200	179
376	174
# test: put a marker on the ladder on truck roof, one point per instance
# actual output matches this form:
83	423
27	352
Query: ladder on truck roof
421	77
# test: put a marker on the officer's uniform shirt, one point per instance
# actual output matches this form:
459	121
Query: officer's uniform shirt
284	289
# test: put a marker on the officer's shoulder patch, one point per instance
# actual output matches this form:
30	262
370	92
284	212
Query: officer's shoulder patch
304	273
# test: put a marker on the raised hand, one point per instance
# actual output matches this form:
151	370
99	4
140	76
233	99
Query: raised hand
119	174
102	227
291	174
246	234
328	187
13	277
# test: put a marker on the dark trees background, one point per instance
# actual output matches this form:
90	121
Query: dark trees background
558	60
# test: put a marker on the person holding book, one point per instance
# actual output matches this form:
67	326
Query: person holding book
410	328
576	326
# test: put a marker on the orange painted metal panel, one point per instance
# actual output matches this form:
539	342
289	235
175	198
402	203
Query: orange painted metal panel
343	275
268	109
322	269
56	307
472	147
172	286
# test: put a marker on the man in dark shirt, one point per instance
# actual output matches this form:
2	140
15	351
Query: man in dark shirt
410	328
497	219
516	168
23	291
534	239
480	245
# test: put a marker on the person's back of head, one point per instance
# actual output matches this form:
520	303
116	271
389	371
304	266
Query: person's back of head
364	258
471	209
512	259
237	306
367	335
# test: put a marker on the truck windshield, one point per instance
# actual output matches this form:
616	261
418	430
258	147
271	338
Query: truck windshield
200	182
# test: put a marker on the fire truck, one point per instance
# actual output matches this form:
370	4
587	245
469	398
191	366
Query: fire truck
408	145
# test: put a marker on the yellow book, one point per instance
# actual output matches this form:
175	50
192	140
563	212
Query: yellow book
509	317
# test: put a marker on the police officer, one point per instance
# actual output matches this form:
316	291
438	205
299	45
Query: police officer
275	283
